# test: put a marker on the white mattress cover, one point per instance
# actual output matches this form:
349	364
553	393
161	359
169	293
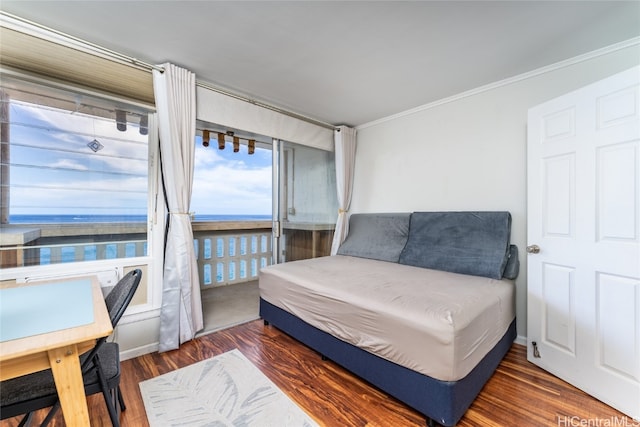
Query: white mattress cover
437	323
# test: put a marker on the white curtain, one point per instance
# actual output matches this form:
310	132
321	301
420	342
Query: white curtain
345	146
181	310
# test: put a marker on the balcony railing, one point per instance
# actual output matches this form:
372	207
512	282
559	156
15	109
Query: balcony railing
231	252
227	252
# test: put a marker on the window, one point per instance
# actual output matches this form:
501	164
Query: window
74	176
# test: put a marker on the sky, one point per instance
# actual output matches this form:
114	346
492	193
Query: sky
54	172
231	183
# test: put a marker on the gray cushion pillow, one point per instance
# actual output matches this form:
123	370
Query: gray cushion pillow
475	243
376	236
512	268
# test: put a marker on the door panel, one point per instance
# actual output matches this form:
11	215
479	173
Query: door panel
558	289
617	303
617	194
584	214
559	196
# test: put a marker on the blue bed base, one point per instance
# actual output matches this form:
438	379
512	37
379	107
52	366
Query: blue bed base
444	402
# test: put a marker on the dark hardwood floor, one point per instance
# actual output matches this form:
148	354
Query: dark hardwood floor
519	393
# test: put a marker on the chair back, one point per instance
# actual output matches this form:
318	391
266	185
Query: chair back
116	301
120	296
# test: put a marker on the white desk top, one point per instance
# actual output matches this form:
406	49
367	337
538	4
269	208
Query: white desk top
41	308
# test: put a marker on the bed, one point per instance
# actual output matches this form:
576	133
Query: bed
430	337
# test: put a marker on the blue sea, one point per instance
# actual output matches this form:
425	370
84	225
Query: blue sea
57	219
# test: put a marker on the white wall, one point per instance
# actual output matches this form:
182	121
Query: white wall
469	153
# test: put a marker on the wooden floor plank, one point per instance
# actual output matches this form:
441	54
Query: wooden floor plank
518	394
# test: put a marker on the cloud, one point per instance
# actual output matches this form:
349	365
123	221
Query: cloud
118	196
65	134
68	164
227	186
66	177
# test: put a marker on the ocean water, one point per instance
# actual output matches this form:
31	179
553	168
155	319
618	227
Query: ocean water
57	219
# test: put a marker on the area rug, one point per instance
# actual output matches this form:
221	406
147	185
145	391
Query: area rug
226	390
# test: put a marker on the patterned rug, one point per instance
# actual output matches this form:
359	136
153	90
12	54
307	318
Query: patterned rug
226	390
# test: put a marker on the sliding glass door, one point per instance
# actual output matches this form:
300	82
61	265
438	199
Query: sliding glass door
305	204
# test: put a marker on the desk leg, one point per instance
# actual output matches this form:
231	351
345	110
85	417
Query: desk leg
65	366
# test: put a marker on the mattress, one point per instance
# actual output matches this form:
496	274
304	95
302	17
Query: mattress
438	323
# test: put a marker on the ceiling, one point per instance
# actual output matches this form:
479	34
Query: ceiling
344	62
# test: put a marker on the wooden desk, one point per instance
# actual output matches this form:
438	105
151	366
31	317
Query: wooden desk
58	349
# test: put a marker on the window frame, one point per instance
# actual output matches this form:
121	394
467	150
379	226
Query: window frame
151	175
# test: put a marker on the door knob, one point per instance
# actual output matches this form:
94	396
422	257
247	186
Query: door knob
533	249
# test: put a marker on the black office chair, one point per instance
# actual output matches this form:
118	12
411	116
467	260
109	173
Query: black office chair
100	369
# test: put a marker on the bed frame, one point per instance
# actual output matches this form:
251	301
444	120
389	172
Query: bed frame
441	402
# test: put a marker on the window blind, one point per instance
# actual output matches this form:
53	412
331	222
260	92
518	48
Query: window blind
72	65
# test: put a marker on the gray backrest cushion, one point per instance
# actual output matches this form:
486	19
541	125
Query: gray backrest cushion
475	243
380	236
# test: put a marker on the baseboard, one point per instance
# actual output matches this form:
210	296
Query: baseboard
522	340
139	351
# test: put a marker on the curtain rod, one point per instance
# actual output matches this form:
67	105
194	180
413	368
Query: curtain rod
64	39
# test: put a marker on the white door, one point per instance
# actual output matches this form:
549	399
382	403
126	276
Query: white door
584	239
